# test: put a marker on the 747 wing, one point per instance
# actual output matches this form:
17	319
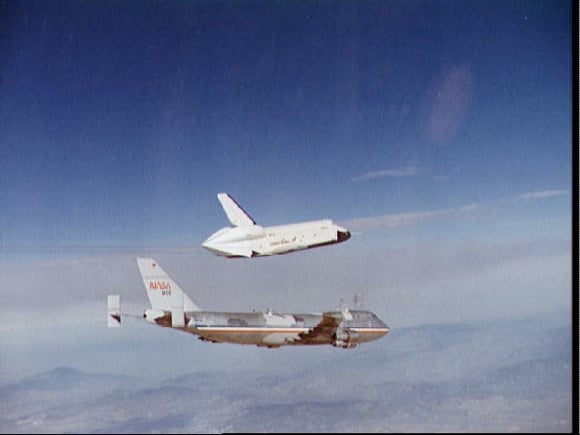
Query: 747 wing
330	330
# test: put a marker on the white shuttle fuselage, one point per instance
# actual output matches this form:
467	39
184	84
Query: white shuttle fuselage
248	239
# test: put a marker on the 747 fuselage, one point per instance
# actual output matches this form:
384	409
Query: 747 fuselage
173	308
272	329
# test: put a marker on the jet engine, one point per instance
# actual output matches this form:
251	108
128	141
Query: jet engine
344	338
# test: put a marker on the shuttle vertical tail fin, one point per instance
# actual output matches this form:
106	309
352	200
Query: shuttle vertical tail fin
164	293
236	214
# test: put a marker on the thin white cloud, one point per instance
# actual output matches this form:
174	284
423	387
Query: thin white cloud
392	221
407	171
543	194
469	207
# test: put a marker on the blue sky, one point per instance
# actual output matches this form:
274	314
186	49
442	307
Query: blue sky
439	132
120	123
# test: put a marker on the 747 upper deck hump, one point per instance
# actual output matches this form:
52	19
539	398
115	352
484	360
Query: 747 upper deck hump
245	238
172	308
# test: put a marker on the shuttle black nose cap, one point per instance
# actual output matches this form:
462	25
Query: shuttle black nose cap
343	235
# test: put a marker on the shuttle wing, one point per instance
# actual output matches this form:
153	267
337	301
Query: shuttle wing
236	214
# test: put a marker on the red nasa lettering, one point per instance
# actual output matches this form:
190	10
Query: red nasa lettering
159	285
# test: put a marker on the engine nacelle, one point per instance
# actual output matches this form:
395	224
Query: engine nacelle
345	338
344	344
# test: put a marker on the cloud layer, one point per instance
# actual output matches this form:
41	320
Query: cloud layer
502	376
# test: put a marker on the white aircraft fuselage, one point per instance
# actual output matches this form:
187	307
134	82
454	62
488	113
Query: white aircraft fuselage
271	329
245	238
172	308
256	241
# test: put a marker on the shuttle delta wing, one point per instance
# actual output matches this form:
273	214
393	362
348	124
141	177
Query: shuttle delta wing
236	214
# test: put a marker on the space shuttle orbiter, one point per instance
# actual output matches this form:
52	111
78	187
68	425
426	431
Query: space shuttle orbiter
245	238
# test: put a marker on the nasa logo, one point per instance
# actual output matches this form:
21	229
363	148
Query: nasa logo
159	285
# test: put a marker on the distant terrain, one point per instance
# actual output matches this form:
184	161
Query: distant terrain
511	376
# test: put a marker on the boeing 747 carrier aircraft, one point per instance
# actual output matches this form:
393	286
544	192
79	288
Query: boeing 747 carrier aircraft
172	308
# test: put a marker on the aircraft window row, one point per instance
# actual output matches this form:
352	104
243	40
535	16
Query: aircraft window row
237	322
